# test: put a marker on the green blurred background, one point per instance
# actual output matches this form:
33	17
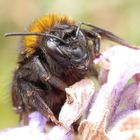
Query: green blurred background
119	16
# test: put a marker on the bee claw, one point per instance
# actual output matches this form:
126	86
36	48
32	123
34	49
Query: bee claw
57	122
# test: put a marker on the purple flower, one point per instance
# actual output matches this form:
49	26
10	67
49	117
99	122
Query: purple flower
35	131
119	64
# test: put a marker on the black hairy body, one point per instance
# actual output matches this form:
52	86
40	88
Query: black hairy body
28	78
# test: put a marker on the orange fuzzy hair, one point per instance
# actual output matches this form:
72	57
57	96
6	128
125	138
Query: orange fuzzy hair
41	25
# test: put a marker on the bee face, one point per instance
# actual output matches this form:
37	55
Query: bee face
73	52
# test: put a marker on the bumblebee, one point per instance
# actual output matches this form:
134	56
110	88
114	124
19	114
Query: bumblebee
54	53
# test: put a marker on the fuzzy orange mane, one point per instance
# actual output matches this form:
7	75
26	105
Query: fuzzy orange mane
43	24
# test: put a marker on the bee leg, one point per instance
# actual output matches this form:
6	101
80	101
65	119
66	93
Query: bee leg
96	43
95	37
26	97
35	100
19	107
32	98
46	76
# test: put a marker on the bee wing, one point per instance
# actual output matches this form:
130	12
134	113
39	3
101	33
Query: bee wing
109	35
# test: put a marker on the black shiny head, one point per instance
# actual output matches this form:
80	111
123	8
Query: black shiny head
74	52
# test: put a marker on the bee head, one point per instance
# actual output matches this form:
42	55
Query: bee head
59	37
71	47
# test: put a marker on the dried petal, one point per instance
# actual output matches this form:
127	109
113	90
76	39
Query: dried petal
81	93
88	131
127	127
124	64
